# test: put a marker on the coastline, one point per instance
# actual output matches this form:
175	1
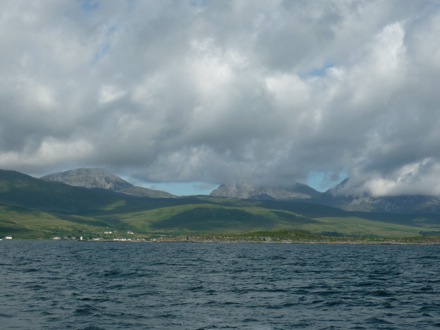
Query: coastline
244	241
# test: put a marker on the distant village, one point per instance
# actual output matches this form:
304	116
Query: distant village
107	235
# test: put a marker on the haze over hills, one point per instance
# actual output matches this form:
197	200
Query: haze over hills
102	179
338	196
341	197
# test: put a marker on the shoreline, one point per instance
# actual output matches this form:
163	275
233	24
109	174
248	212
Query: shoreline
220	241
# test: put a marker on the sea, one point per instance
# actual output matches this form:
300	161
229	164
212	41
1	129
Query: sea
117	285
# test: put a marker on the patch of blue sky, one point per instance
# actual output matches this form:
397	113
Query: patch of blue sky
100	53
183	188
105	47
323	181
317	71
197	3
111	30
89	6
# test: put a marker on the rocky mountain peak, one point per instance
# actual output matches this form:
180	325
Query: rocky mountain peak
245	190
102	179
90	178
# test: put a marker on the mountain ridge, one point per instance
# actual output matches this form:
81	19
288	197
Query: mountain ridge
335	197
244	190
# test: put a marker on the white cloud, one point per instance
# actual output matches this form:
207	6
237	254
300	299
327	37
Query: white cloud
411	179
109	94
219	90
57	153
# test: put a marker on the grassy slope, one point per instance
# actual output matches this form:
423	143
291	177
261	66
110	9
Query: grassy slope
30	223
190	218
208	218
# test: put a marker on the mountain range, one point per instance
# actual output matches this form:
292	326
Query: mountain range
332	197
93	202
96	178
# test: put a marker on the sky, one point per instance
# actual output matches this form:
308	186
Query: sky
195	93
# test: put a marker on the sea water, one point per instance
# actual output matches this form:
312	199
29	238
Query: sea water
99	285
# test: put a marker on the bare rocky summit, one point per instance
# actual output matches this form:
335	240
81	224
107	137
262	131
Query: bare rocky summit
97	178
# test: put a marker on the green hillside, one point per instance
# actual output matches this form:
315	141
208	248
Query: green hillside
34	208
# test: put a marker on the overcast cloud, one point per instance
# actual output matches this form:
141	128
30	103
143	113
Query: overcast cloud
268	91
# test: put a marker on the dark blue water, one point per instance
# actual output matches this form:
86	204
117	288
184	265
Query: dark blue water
80	285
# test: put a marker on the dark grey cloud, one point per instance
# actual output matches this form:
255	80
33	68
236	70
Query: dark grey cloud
215	91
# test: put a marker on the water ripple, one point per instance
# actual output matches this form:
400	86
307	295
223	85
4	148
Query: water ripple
80	285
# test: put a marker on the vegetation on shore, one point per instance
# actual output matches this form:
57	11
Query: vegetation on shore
298	237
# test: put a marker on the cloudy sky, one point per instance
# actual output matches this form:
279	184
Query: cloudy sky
201	92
